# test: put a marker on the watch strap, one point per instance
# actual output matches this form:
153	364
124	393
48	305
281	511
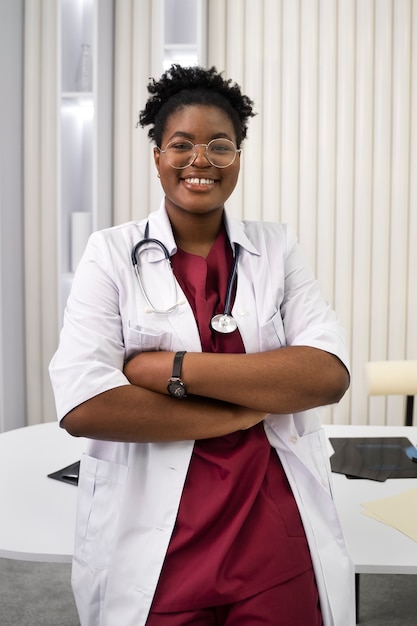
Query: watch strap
176	368
176	387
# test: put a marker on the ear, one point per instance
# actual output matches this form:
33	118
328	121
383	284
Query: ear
156	157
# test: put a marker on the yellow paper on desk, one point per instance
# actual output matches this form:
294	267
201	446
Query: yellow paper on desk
399	511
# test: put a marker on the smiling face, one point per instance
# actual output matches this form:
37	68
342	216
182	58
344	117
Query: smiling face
200	188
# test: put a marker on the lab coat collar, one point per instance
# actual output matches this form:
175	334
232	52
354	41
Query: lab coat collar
160	228
236	232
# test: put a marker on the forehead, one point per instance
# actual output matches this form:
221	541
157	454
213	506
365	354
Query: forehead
199	122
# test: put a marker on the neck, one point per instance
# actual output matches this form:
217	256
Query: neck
197	233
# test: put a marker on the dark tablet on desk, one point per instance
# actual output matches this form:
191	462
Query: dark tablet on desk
375	458
67	474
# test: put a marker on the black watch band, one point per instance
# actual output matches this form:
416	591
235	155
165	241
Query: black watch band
176	387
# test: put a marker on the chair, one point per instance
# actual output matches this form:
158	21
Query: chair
386	378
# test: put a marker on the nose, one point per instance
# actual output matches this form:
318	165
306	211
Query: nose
200	158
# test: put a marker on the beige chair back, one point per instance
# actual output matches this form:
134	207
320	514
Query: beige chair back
386	378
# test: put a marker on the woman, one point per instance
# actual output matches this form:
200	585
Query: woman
205	495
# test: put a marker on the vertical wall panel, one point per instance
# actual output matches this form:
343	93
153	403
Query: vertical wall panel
40	194
326	161
142	168
138	56
235	39
12	297
411	347
381	195
290	102
48	222
308	139
122	112
326	149
216	36
399	187
32	196
156	61
362	202
253	193
268	107
344	173
234	66
400	173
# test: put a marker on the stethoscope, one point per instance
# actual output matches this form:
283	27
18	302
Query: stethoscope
222	322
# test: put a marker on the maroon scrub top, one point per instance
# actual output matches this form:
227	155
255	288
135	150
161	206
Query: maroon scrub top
238	531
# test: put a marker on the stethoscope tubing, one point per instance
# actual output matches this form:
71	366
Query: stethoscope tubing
231	282
149	240
144	241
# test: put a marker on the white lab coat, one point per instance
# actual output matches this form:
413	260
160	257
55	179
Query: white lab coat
129	493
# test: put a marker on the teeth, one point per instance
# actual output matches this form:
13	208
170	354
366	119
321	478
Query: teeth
199	181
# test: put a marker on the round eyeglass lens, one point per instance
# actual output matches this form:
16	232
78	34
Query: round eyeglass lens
219	152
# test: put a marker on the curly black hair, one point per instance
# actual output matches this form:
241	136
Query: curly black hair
182	86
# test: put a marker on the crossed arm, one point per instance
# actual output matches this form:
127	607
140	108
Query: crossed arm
227	392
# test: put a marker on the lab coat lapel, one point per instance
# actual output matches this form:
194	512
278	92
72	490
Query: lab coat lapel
244	307
180	322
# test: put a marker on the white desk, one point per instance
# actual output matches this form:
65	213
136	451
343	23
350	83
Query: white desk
375	548
37	518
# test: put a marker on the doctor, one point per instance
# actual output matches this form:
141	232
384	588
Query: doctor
194	352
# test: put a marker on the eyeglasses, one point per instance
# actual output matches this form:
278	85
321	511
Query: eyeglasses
181	153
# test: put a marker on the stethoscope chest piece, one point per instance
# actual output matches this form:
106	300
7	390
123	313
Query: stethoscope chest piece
223	323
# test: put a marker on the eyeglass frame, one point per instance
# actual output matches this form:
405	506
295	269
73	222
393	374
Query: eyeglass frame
195	153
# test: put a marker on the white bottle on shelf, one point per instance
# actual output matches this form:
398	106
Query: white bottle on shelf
83	79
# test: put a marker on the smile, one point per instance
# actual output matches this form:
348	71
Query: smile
199	181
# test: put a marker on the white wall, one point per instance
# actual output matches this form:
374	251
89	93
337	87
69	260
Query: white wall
12	370
333	152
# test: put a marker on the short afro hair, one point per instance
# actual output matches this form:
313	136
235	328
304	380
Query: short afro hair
183	86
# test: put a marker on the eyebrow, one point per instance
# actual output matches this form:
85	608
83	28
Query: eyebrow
190	136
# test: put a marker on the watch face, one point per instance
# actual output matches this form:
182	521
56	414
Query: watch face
177	389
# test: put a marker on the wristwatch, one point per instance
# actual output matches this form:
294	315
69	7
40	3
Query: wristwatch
175	385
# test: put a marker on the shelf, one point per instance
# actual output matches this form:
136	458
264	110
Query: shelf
185	32
74	95
85	154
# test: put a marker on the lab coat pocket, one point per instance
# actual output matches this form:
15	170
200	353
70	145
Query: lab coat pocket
140	339
312	448
271	334
101	488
